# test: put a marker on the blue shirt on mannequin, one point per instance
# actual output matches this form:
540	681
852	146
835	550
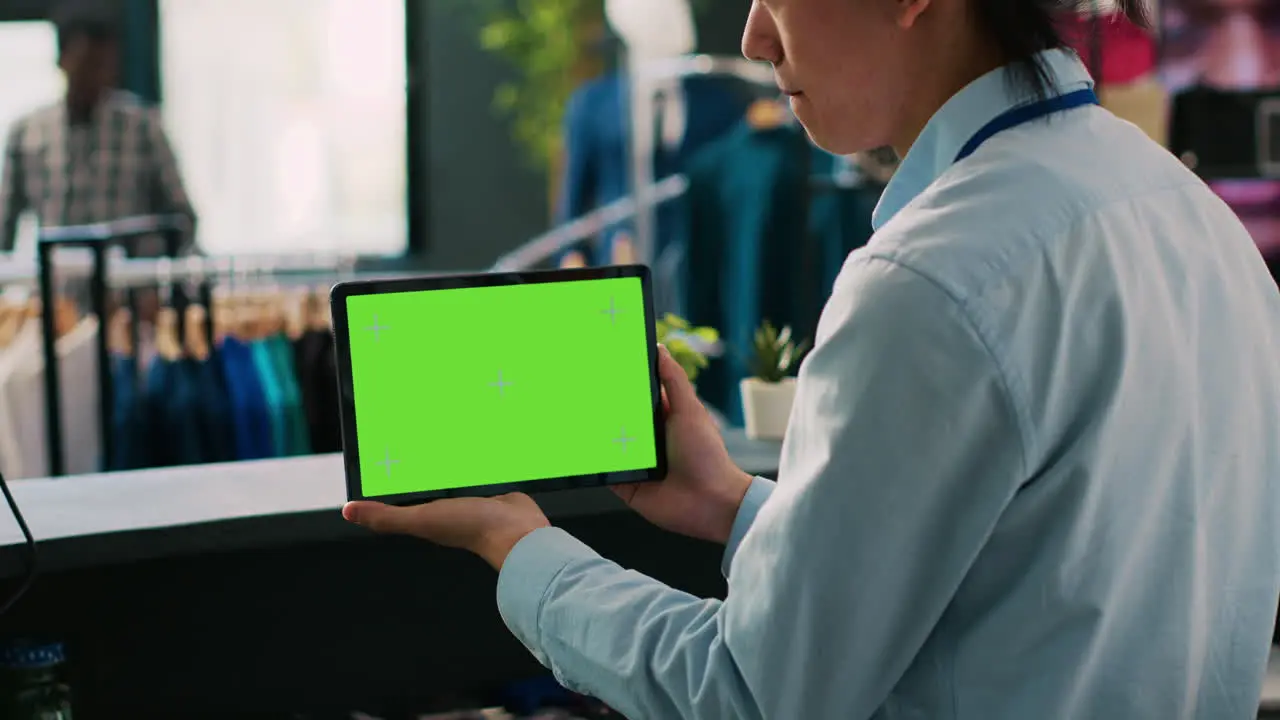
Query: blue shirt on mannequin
1032	469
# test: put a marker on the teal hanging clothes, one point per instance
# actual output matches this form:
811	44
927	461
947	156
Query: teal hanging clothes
839	215
264	365
747	256
297	440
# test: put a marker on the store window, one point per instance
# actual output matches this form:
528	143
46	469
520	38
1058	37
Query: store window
30	49
288	118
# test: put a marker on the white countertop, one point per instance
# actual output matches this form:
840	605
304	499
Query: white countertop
172	497
105	503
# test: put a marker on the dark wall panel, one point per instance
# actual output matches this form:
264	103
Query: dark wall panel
720	26
483	197
23	9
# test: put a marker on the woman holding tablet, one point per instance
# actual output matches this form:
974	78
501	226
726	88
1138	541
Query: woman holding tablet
1032	470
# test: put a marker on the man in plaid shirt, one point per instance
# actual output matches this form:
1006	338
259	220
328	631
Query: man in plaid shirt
99	155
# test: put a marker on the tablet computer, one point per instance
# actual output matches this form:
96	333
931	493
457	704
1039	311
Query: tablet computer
474	385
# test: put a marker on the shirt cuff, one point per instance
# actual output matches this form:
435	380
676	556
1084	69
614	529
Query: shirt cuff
527	575
759	491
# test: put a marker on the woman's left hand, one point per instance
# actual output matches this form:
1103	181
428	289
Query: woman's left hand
488	527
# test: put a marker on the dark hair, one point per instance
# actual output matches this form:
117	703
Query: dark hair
84	19
1024	28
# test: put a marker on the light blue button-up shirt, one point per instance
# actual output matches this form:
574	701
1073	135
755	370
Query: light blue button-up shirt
1032	471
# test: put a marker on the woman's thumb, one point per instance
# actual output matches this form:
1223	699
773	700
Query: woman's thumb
680	393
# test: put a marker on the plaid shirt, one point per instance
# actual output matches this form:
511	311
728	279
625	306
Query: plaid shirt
117	165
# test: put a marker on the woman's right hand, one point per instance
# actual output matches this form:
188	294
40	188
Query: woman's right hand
703	488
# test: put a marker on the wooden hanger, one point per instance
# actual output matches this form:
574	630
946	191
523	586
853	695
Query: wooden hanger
65	316
624	250
195	340
573	259
221	306
248	317
278	310
119	338
295	314
168	344
767	114
12	318
320	318
270	314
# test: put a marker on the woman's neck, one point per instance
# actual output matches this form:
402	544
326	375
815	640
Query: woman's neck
935	88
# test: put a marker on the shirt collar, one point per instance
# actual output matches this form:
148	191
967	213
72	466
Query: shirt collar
960	118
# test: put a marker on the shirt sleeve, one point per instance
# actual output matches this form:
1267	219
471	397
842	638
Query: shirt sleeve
760	490
903	451
13	197
168	193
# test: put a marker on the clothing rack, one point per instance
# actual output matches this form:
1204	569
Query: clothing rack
556	241
167	272
643	84
97	238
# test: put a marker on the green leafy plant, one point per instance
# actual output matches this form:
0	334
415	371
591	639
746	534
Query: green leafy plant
684	342
776	354
541	40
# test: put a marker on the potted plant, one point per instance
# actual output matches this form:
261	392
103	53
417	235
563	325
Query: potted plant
688	345
767	396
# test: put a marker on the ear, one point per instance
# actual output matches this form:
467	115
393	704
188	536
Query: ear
909	11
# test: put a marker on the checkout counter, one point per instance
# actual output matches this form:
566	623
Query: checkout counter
233	590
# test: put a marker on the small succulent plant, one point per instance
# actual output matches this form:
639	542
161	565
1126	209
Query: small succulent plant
687	344
776	353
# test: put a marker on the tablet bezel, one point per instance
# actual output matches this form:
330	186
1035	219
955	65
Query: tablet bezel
342	347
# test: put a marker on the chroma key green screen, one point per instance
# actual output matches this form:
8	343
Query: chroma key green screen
491	385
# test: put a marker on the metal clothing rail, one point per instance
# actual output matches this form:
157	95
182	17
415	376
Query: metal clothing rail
169	273
97	238
142	272
557	240
644	78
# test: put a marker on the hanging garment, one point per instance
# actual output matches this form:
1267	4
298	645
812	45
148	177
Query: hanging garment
749	257
131	426
80	420
597	149
250	415
213	416
296	438
318	379
839	217
171	401
264	366
23	346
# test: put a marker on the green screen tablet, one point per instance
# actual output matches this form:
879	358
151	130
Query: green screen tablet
484	384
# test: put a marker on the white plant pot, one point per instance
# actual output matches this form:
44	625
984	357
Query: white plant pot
766	407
